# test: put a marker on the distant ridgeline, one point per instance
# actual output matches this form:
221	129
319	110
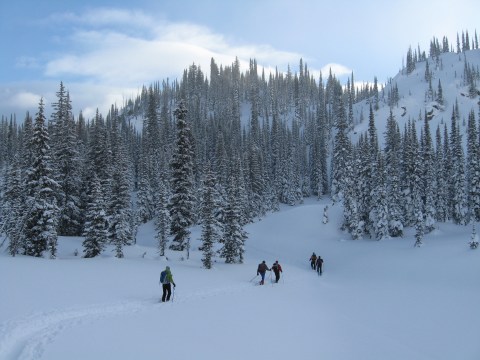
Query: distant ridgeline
224	150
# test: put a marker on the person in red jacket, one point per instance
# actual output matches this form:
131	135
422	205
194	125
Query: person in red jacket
277	269
261	270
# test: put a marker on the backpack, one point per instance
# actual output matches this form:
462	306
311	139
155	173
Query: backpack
163	277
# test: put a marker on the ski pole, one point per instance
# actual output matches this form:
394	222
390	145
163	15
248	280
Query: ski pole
173	293
253	278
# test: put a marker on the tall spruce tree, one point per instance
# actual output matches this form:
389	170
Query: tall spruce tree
352	221
234	234
211	228
458	200
341	155
120	226
182	200
12	206
41	215
440	183
95	228
473	168
66	163
162	218
428	164
379	214
393	181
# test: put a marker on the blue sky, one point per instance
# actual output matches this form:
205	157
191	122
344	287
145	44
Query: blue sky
105	50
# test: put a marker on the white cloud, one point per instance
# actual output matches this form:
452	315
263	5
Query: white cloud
115	56
26	99
337	69
18	98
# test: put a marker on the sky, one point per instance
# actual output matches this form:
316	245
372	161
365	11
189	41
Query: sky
104	51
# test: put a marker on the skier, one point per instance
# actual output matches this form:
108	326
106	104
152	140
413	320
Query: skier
277	269
313	260
261	270
166	279
319	265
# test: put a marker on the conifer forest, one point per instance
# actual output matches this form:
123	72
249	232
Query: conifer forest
225	147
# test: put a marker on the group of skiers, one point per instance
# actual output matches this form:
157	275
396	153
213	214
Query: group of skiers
263	268
166	278
316	262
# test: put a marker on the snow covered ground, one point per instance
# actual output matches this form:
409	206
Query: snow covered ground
376	300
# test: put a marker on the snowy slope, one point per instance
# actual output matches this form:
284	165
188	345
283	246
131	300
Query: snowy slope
376	300
413	103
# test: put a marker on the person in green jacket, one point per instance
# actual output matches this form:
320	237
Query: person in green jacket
166	279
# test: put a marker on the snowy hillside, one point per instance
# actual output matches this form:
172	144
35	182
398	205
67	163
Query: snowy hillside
413	93
376	300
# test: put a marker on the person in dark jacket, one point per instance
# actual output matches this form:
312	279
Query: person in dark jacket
261	270
277	269
166	280
313	261
319	265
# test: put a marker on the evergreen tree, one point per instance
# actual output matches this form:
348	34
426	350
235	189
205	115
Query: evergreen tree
120	227
211	228
364	181
428	163
419	228
145	202
458	194
473	168
413	184
99	156
152	158
410	61
181	203
162	220
95	228
379	215
12	206
393	181
66	164
440	182
440	98
473	238
234	234
42	211
375	94
341	155
352	221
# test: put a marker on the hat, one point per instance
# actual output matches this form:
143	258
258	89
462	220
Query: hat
276	261
167	268
263	261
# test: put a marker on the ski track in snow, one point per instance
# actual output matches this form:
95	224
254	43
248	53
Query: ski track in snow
28	337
